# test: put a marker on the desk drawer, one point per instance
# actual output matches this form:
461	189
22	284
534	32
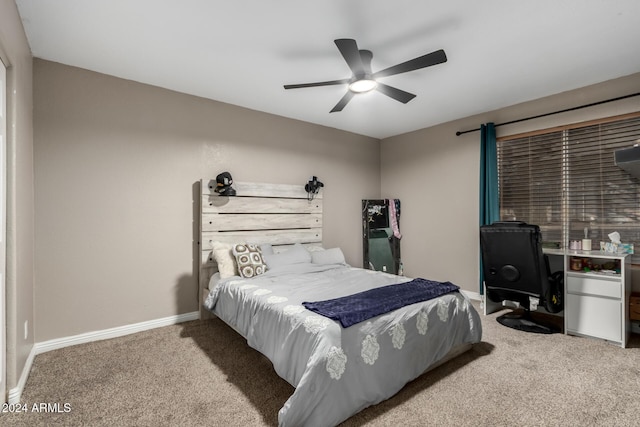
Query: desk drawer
603	287
594	316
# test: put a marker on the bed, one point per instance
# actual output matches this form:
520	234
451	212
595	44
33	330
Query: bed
336	371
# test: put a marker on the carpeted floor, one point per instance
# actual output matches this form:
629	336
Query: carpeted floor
202	373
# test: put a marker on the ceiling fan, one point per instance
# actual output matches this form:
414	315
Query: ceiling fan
363	80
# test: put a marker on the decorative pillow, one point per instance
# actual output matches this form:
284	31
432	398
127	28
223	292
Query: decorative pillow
296	255
329	256
249	260
225	259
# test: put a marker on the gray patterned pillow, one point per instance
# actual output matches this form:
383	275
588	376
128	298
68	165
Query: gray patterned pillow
249	260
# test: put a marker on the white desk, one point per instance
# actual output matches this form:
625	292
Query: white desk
596	304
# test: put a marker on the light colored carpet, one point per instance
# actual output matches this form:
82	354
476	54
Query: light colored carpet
202	373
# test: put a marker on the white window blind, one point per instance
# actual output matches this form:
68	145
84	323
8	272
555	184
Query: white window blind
566	180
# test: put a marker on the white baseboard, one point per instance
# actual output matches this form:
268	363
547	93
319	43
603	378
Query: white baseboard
16	392
471	295
42	347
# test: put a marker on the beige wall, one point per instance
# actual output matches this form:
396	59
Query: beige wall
436	175
115	167
15	53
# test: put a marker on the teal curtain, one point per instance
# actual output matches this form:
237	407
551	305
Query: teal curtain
489	203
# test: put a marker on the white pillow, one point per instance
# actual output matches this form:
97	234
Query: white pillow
224	258
266	249
329	256
315	248
296	255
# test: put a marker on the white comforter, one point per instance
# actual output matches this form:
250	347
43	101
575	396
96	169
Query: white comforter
339	371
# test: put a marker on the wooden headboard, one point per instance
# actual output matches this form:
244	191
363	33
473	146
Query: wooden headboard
279	214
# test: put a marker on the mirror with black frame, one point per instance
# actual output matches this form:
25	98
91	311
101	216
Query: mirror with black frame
381	235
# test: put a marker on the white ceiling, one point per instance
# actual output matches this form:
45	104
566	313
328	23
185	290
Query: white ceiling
500	52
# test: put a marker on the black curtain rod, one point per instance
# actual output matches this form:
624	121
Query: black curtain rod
555	112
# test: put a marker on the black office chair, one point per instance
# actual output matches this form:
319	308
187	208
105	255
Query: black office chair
515	269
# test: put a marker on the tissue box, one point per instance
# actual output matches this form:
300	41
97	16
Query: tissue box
626	248
616	248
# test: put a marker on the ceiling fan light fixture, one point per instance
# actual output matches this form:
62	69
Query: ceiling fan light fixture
363	85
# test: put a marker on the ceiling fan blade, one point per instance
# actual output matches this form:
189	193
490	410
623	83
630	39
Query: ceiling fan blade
433	58
366	56
349	50
343	102
327	83
397	94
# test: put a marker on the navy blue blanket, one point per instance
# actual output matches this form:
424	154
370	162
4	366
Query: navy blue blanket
358	307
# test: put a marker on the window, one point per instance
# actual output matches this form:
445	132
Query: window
565	180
